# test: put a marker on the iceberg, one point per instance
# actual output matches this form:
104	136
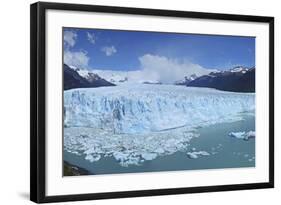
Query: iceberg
195	155
243	135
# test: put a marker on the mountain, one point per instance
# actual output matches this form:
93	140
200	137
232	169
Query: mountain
238	79
73	79
238	69
146	76
186	80
115	77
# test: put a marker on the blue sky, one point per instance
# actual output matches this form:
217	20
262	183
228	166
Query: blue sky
123	50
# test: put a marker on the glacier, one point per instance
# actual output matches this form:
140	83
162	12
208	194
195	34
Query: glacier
143	108
134	123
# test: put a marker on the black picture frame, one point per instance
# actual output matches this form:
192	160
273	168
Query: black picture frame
38	101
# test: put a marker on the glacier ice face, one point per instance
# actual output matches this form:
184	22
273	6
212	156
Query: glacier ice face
145	108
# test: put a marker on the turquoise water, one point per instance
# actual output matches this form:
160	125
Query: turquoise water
225	152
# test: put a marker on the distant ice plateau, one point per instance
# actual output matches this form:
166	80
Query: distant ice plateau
137	123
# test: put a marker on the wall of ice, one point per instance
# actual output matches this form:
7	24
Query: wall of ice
150	108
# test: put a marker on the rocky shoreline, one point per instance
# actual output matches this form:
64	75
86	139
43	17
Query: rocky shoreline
73	170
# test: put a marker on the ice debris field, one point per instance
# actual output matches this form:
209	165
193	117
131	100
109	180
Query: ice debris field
134	123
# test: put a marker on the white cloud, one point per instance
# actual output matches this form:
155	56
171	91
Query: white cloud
78	59
91	38
69	38
168	70
109	50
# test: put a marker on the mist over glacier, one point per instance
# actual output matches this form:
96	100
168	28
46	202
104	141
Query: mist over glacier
141	108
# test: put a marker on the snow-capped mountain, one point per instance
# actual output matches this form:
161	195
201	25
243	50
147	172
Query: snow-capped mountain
74	79
238	69
186	80
142	76
115	77
237	79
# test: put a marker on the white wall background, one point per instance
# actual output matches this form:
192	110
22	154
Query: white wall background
14	100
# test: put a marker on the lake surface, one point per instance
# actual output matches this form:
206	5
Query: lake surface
224	152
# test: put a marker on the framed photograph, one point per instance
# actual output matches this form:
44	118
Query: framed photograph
129	102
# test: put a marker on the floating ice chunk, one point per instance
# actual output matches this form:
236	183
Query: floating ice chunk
238	135
251	159
251	134
120	156
192	155
243	135
130	161
134	160
195	155
92	158
148	156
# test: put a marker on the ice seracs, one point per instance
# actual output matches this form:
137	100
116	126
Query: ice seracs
146	108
